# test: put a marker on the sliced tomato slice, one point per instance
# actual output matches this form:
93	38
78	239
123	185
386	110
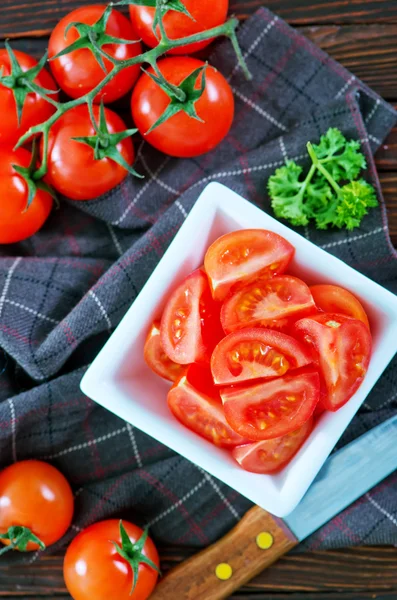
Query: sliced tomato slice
335	299
343	349
267	303
157	359
270	456
190	323
273	408
244	255
254	354
196	403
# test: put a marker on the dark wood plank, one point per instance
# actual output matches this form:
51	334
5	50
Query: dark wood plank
361	570
35	17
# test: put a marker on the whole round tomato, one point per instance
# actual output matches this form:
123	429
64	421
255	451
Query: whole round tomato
72	168
35	108
79	72
182	135
94	569
16	222
35	495
206	14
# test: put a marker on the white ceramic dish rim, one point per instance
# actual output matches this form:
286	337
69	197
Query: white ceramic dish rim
138	396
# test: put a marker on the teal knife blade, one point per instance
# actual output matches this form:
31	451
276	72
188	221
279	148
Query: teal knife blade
346	476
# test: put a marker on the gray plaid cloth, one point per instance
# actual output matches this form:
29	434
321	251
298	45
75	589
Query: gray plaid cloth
63	291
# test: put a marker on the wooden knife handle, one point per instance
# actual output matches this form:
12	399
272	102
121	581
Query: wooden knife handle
256	542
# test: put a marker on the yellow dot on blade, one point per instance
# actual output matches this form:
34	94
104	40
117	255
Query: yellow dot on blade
223	571
264	540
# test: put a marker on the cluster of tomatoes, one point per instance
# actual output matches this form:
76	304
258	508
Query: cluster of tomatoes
73	170
109	559
254	353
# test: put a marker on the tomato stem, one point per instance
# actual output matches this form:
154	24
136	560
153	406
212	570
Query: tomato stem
19	538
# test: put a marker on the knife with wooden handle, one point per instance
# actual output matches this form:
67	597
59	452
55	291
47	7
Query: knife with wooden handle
260	539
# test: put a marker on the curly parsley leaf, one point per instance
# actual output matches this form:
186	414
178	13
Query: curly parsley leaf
318	196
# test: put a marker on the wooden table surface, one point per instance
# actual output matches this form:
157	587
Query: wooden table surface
362	35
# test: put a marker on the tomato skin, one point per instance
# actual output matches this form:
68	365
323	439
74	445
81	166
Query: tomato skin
94	570
274	408
196	403
36	495
181	135
271	456
335	299
157	359
343	349
35	109
78	72
239	257
17	223
268	303
254	354
187	324
72	169
206	14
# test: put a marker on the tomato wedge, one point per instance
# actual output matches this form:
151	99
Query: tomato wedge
157	359
269	303
244	255
256	353
270	456
190	323
335	299
343	348
273	408
196	403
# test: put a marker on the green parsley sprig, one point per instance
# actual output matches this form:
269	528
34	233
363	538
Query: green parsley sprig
330	194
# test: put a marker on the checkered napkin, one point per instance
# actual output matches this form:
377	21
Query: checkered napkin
63	291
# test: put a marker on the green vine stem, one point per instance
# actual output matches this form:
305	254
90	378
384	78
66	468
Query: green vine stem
150	57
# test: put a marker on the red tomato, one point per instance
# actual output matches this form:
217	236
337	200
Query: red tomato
188	325
196	403
35	108
206	14
272	408
241	256
17	223
79	72
270	456
269	303
157	359
182	135
94	570
335	299
72	168
343	348
35	495
256	353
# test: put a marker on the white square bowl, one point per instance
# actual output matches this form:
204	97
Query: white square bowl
120	380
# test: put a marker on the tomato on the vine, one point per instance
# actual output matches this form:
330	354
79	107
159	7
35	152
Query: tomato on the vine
17	222
204	14
79	72
36	496
73	169
35	108
182	135
111	559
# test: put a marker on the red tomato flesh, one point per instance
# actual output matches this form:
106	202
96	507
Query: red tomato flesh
196	403
188	324
245	255
335	299
273	408
270	456
343	349
254	354
267	303
157	359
